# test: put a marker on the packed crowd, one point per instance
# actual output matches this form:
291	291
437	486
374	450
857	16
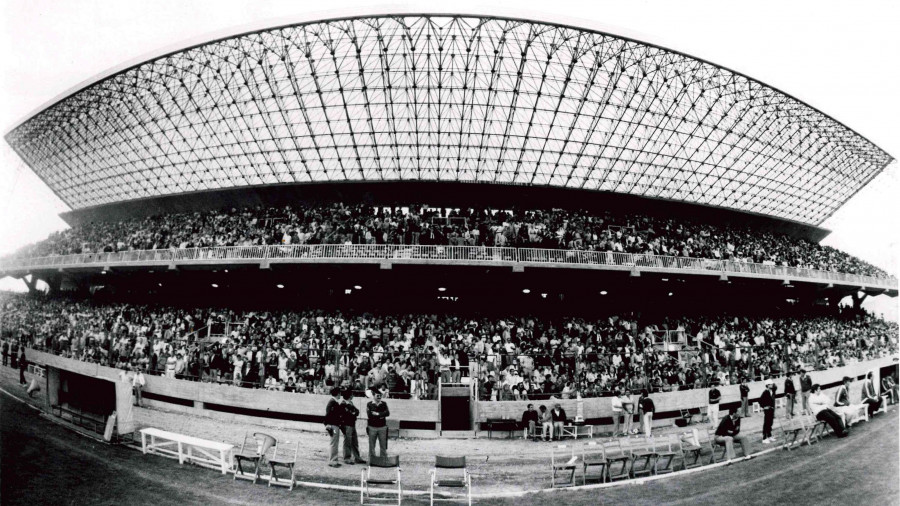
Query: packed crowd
418	224
520	357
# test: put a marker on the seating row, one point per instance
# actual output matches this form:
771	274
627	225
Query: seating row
632	457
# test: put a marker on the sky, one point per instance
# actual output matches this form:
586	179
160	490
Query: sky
838	56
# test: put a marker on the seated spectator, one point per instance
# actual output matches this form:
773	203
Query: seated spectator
842	405
546	424
728	433
530	420
558	416
819	404
869	396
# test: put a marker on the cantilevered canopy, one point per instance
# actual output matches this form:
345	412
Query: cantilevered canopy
449	99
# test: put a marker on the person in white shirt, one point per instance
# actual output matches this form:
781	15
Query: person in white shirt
819	405
137	384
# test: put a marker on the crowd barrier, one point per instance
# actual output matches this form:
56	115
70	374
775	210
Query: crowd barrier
466	255
419	418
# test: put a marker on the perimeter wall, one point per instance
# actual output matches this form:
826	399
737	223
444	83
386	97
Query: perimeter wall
417	418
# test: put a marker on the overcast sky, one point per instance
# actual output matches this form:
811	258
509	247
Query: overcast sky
840	57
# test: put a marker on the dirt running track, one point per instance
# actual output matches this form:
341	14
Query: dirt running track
43	463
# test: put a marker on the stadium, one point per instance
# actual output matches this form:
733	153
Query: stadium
467	215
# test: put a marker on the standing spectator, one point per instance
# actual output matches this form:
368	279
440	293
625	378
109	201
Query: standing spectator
617	411
5	347
137	385
714	397
805	390
333	420
647	409
818	404
530	420
377	412
23	364
767	403
869	396
348	427
728	433
790	391
745	399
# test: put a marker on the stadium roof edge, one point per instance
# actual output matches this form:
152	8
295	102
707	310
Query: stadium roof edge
543	18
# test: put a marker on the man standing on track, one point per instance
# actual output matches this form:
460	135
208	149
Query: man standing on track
333	419
713	410
348	427
647	409
790	391
767	403
377	412
805	390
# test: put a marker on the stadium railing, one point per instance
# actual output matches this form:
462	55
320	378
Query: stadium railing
462	254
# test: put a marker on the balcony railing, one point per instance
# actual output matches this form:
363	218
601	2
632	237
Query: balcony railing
300	253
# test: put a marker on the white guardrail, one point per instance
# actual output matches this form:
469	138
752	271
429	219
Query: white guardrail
300	253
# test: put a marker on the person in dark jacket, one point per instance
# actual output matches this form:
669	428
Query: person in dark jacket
728	433
745	399
23	364
530	420
334	416
790	391
647	409
377	412
806	385
348	427
558	415
767	403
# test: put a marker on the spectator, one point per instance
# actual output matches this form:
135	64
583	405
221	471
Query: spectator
818	404
842	403
348	427
137	384
728	433
790	390
530	420
647	409
869	396
377	412
745	399
558	416
714	396
333	420
767	403
805	389
546	423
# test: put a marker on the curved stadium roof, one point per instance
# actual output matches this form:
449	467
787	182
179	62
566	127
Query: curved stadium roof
430	98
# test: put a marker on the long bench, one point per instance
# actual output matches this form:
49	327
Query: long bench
500	425
210	454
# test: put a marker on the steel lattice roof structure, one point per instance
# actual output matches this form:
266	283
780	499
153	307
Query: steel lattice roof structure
445	98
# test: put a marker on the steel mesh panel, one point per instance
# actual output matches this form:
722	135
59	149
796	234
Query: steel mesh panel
446	99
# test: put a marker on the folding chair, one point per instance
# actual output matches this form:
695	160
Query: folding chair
665	453
385	478
563	460
592	455
792	430
455	481
713	446
643	456
285	456
811	428
253	452
618	460
691	449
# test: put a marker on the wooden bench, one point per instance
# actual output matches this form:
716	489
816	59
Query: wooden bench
210	454
500	425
